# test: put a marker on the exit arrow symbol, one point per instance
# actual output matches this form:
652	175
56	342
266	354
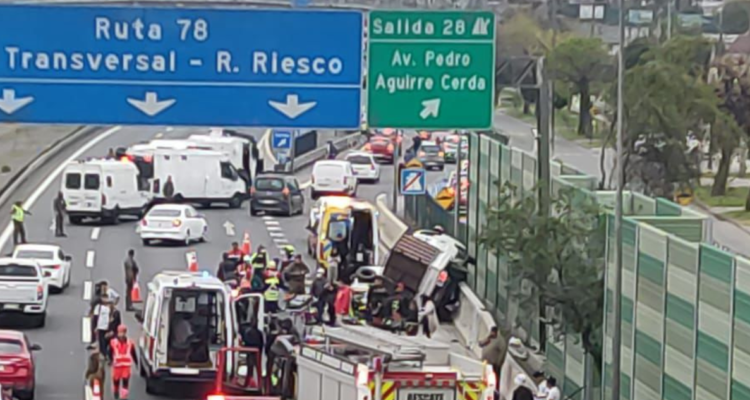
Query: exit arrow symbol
430	108
151	105
292	108
10	104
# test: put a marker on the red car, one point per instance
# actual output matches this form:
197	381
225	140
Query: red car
381	148
17	364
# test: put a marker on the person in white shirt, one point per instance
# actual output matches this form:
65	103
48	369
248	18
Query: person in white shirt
541	382
553	391
103	313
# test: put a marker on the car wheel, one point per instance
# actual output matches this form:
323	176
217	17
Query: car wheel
24	394
253	211
313	194
55	290
441	168
152	386
146	242
236	201
75	220
40	320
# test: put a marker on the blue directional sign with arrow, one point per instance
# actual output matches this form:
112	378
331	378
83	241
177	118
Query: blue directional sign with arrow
281	140
161	66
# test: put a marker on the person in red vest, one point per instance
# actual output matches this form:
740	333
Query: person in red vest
123	356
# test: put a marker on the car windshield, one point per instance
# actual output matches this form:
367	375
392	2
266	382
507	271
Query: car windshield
430	148
35	254
269	184
361	160
10	346
165	213
14	270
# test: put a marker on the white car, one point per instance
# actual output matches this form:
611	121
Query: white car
365	168
52	260
173	222
23	289
333	177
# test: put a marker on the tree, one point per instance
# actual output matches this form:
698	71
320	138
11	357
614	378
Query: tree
580	62
558	256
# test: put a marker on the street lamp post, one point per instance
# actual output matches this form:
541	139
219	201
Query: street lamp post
616	336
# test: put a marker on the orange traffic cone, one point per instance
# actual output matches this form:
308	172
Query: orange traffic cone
192	261
96	392
247	246
135	293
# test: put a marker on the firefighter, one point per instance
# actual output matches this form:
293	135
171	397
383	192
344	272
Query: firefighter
271	294
123	355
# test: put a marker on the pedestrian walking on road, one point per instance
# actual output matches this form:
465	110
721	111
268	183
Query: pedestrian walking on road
58	205
18	214
131	276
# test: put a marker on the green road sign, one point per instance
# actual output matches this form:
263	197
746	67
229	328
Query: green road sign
431	70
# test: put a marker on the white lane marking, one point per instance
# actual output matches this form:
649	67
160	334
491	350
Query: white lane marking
280	240
276	234
270	223
273	228
87	290
86	330
52	225
169	129
95	233
267	218
53	176
90	258
159	135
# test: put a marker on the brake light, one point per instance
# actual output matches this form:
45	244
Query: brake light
421	153
176	223
372	167
144	222
104	200
40	292
215	397
54	266
285	192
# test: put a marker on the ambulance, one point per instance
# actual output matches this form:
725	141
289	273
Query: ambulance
362	363
188	318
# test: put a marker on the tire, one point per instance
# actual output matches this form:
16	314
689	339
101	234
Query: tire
152	386
75	220
40	320
236	201
146	242
441	168
313	194
24	394
54	290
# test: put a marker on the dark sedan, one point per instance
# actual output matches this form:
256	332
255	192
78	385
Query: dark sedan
277	193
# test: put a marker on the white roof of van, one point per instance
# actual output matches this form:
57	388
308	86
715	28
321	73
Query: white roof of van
186	279
103	162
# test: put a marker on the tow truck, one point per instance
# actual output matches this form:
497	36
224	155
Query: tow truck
362	363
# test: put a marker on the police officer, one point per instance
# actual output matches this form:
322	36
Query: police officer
271	294
17	214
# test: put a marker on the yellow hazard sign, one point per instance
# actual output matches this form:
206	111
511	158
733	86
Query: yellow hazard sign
414	163
445	198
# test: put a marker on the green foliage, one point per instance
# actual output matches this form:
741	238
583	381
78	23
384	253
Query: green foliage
581	63
555	259
635	50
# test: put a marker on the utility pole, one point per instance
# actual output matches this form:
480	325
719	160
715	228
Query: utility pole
617	334
396	172
457	196
544	122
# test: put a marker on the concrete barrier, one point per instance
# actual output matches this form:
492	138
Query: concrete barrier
344	143
390	227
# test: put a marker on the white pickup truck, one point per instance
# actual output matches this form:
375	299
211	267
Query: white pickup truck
23	290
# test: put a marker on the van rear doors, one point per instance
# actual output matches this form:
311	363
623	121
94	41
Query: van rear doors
82	188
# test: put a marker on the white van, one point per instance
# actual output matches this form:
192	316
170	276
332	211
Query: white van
237	149
104	189
187	319
199	176
333	177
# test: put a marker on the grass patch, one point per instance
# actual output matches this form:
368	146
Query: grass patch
734	197
740	216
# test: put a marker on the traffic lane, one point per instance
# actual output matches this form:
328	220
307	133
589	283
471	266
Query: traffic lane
61	362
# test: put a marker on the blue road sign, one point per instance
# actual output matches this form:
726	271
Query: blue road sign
413	181
209	67
281	140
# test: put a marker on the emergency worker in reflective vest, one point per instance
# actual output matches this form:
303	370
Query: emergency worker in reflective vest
123	356
271	294
17	214
259	262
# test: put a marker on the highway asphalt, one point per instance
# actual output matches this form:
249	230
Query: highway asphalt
61	362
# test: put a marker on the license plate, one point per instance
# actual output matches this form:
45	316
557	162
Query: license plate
12	306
